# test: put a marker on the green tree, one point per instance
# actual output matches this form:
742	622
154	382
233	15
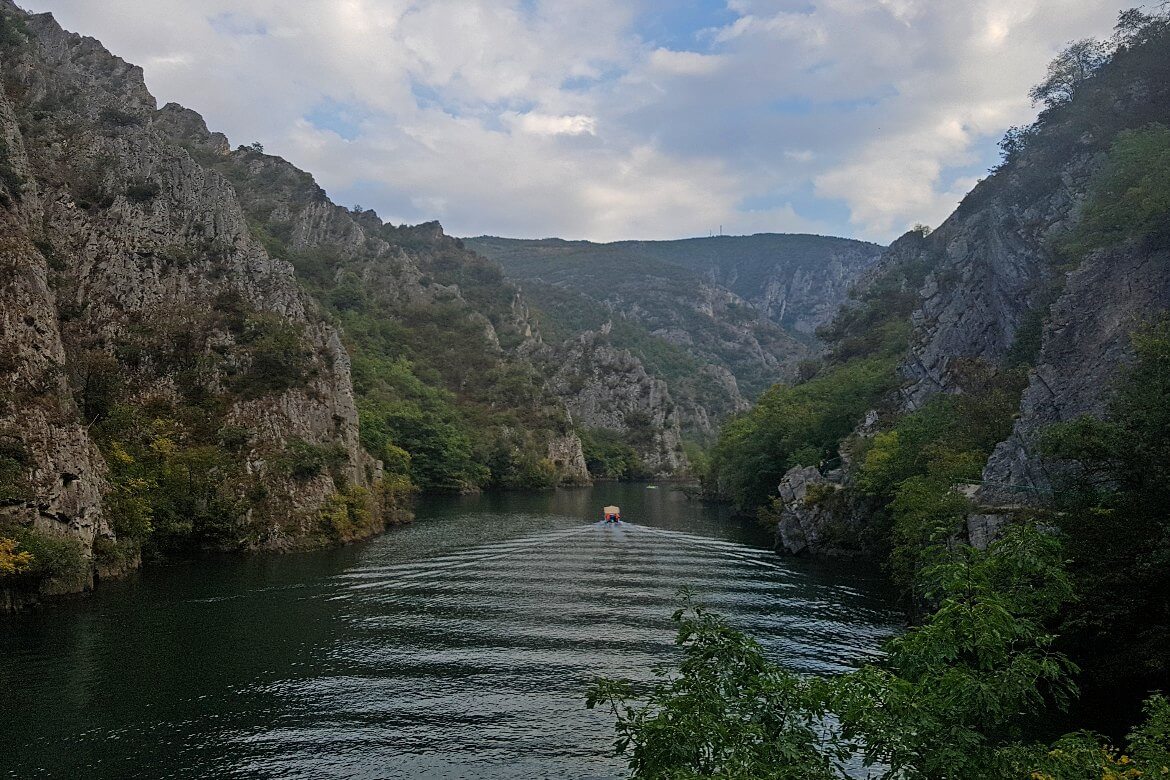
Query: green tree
799	425
726	711
958	697
1072	67
1114	497
972	679
12	559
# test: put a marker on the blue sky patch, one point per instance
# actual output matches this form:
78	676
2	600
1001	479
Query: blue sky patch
237	25
803	201
345	119
679	24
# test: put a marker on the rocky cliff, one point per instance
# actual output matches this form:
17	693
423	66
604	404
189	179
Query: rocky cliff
1027	275
798	281
1007	287
200	351
1085	344
137	305
455	316
608	388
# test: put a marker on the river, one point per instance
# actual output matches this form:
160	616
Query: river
458	647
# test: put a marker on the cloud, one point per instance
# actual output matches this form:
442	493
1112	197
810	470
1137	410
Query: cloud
545	124
537	118
684	63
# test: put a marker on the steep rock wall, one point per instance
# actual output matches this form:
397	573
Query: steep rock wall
125	254
409	273
1086	343
609	388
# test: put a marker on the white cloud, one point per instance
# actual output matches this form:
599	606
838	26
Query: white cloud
684	63
562	117
546	124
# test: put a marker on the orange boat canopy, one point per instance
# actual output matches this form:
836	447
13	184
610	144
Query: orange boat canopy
611	510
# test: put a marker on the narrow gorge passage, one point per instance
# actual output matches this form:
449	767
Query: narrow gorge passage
458	647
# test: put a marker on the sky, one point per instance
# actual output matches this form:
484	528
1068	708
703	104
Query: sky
611	119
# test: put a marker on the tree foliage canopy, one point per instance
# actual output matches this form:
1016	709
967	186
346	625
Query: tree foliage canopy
957	697
1072	67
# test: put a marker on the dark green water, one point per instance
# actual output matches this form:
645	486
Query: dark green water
459	647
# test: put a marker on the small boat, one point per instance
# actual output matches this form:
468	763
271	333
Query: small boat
612	514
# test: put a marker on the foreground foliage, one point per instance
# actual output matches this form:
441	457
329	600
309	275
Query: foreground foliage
957	697
726	711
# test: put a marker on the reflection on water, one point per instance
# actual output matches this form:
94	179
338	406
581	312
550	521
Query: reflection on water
458	647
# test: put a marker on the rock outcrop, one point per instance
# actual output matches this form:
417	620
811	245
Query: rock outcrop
1086	344
608	388
567	455
996	263
1003	287
816	515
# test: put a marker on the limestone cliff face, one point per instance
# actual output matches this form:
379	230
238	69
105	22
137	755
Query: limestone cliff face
123	253
796	281
1004	286
609	388
996	262
992	265
998	270
64	475
1086	342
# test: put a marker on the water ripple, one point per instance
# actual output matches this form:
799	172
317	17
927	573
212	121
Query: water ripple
460	647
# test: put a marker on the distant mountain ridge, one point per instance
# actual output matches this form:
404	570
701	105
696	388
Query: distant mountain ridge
719	319
797	279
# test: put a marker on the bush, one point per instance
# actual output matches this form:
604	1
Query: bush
394	492
303	461
128	502
911	470
117	118
13	31
524	470
13	465
173	488
1130	197
348	514
797	425
279	357
51	557
143	190
609	456
12	560
98	382
117	555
